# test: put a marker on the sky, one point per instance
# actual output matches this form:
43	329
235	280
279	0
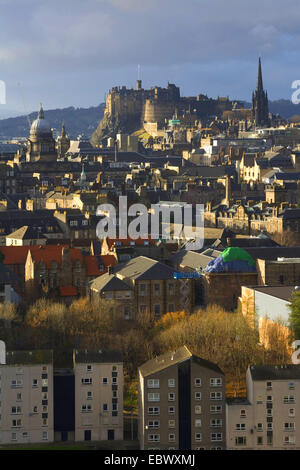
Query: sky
71	52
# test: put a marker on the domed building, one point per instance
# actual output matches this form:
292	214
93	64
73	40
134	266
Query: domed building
41	144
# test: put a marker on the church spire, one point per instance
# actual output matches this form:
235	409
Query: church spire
260	107
41	112
259	77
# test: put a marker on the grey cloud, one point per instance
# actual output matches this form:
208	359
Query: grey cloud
213	39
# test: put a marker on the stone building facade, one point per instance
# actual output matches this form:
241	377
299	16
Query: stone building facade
149	286
224	289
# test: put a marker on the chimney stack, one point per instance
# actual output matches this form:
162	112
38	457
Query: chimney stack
110	270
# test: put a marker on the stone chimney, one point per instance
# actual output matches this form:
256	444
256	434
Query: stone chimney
110	270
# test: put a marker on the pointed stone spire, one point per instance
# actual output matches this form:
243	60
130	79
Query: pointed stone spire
260	110
259	76
41	112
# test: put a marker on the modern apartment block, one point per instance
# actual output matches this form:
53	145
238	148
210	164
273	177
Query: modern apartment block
267	419
26	397
98	395
40	404
181	403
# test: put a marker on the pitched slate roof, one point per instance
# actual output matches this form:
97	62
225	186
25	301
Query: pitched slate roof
190	259
143	268
12	220
26	233
108	282
29	357
111	242
175	357
210	171
97	357
275	372
272	253
280	292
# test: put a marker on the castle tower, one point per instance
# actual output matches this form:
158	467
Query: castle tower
260	108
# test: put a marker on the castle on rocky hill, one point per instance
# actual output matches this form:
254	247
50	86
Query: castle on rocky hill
128	110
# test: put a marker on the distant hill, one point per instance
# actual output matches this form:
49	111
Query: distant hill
285	108
77	121
85	120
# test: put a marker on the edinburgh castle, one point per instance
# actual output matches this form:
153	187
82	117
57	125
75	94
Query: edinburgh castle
128	110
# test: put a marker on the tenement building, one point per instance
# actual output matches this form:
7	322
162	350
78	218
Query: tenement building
143	287
181	403
267	418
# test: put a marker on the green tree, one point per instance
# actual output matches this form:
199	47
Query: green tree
294	317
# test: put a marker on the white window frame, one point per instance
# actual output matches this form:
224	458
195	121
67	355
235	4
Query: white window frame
171	383
216	382
198	382
153	397
153	383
